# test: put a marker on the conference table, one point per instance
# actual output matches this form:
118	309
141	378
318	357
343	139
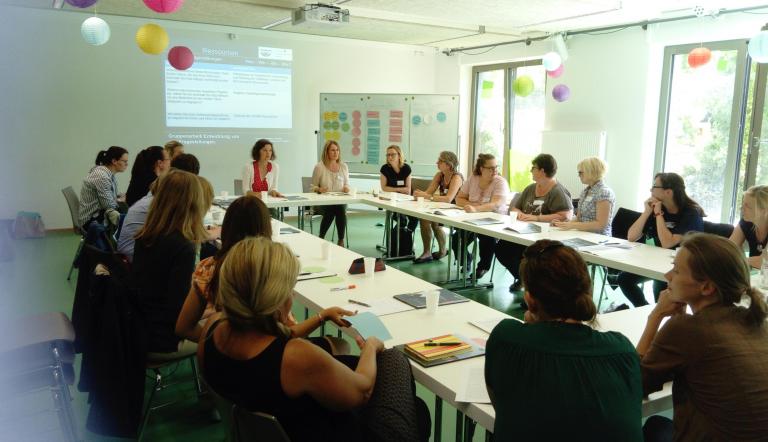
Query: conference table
411	325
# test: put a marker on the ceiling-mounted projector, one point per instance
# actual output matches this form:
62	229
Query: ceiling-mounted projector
320	14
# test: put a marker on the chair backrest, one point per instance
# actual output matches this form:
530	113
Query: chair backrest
720	229
73	202
306	184
622	221
420	184
252	425
238	188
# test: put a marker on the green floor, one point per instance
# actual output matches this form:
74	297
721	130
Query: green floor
35	281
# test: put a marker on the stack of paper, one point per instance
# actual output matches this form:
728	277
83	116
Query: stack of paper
436	348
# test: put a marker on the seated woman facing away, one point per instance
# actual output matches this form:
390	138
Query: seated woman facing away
251	358
753	225
150	163
717	357
554	378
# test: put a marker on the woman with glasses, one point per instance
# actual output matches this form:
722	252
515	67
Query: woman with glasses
546	200
554	377
150	163
99	191
753	225
446	183
717	356
484	191
596	201
395	176
668	215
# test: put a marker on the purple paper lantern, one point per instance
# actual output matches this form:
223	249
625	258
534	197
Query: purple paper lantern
181	57
561	92
557	72
82	3
164	6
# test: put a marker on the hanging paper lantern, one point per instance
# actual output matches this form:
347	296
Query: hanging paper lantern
522	86
557	72
699	57
82	3
551	61
561	92
164	6
152	39
181	57
95	31
758	47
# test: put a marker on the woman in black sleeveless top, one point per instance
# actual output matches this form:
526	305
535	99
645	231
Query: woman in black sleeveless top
446	183
753	225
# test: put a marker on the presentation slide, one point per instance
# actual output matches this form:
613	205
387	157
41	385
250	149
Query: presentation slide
227	88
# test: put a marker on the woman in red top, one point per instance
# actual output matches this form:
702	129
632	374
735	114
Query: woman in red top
261	174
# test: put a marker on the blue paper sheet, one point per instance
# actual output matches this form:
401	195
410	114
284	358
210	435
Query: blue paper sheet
368	324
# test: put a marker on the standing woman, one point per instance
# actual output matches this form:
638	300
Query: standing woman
716	357
261	174
331	175
99	191
668	215
165	252
447	183
484	191
546	200
753	225
150	163
589	379
596	201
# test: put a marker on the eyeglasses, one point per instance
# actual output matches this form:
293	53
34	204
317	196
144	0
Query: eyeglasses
391	155
490	167
657	187
536	251
535	168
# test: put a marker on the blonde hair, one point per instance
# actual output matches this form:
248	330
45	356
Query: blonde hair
179	204
449	158
208	195
326	147
760	194
171	146
400	159
593	167
720	261
255	280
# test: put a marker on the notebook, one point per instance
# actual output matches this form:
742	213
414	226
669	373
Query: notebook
577	243
294	197
305	276
524	228
429	356
484	221
449	212
288	230
417	299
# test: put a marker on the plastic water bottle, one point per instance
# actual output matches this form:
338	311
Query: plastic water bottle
764	269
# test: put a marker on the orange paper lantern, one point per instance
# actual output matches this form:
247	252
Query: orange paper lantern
699	57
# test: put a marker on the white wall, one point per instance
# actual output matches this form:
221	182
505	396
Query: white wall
615	86
64	100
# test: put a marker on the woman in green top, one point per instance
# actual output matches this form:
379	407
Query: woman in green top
553	377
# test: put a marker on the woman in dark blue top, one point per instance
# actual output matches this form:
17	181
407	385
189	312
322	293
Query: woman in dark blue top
753	225
668	215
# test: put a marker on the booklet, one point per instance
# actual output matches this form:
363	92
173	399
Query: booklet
524	228
464	350
577	243
417	299
449	212
294	197
484	221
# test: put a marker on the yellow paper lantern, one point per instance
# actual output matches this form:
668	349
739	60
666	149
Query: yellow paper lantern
522	86
152	39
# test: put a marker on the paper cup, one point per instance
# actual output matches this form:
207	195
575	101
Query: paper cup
217	217
325	250
544	227
370	267
224	194
263	195
512	216
420	202
353	192
433	301
375	192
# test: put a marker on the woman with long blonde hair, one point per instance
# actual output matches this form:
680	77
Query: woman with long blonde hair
165	252
753	225
331	175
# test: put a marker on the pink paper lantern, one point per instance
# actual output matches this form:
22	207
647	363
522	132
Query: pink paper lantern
561	93
557	72
699	57
164	6
82	3
181	57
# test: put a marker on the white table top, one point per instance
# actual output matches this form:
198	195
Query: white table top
444	380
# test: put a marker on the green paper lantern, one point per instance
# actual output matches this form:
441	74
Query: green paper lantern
522	86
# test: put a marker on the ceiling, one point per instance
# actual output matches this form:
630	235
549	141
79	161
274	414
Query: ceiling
437	23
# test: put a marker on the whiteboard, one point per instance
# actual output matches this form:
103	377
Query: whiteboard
364	125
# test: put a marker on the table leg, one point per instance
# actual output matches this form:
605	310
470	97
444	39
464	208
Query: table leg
469	429
438	419
488	436
459	426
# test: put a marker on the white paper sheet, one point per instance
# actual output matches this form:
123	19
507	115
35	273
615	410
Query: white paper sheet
379	307
487	325
474	389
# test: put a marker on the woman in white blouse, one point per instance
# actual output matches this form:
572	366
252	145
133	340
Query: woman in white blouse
260	175
331	175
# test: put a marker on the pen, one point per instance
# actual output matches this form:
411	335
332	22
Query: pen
336	289
440	344
352	301
305	273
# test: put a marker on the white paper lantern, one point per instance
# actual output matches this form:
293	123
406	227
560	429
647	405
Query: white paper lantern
758	47
95	31
551	61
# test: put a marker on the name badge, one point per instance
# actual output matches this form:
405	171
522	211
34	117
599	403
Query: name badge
670	224
587	199
401	182
538	202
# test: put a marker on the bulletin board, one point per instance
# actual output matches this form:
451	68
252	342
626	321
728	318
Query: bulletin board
365	124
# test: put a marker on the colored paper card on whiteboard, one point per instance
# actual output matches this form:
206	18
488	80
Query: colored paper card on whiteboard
372	114
395	138
396	113
373	123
